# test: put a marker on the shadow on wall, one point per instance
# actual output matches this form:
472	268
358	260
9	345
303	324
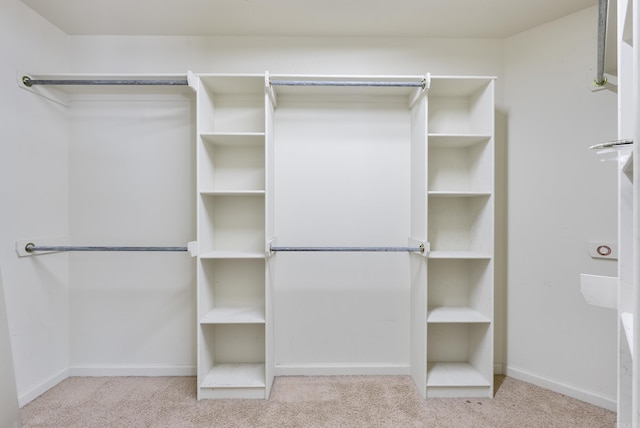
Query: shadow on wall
501	235
9	409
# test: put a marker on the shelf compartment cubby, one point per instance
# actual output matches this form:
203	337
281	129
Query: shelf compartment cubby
460	290
232	361
457	379
460	106
460	164
459	360
461	224
231	226
230	104
232	162
232	291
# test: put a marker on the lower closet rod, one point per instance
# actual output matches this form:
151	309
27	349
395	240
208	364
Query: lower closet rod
419	249
30	248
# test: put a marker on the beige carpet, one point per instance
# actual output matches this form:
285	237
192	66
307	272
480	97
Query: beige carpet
342	401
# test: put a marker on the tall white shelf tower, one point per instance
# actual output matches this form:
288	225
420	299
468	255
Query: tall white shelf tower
450	155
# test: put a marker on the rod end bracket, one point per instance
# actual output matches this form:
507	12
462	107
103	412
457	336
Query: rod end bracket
600	84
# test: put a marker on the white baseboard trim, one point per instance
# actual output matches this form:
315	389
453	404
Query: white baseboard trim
562	388
498	368
104	370
341	369
40	389
132	370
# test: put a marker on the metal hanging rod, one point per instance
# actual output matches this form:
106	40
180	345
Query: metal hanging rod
421	84
602	42
28	81
31	247
419	249
611	144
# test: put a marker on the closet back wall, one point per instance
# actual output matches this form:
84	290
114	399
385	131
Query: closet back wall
336	56
132	183
341	180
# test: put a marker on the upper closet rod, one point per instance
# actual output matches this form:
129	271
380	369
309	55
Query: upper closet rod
28	81
602	42
421	84
31	247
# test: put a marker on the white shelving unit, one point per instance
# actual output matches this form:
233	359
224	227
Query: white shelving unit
450	207
460	226
442	132
625	29
232	188
625	301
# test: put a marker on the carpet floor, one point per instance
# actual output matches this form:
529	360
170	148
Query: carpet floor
333	401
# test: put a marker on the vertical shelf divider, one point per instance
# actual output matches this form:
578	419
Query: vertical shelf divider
418	225
270	261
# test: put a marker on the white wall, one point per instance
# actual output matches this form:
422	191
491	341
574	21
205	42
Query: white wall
34	188
286	55
9	410
560	197
351	187
132	183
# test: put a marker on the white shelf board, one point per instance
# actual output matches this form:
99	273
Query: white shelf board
456	141
600	290
222	254
232	192
627	324
456	374
457	194
233	138
235	375
455	314
458	255
234	316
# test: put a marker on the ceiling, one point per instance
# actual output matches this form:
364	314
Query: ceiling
366	18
